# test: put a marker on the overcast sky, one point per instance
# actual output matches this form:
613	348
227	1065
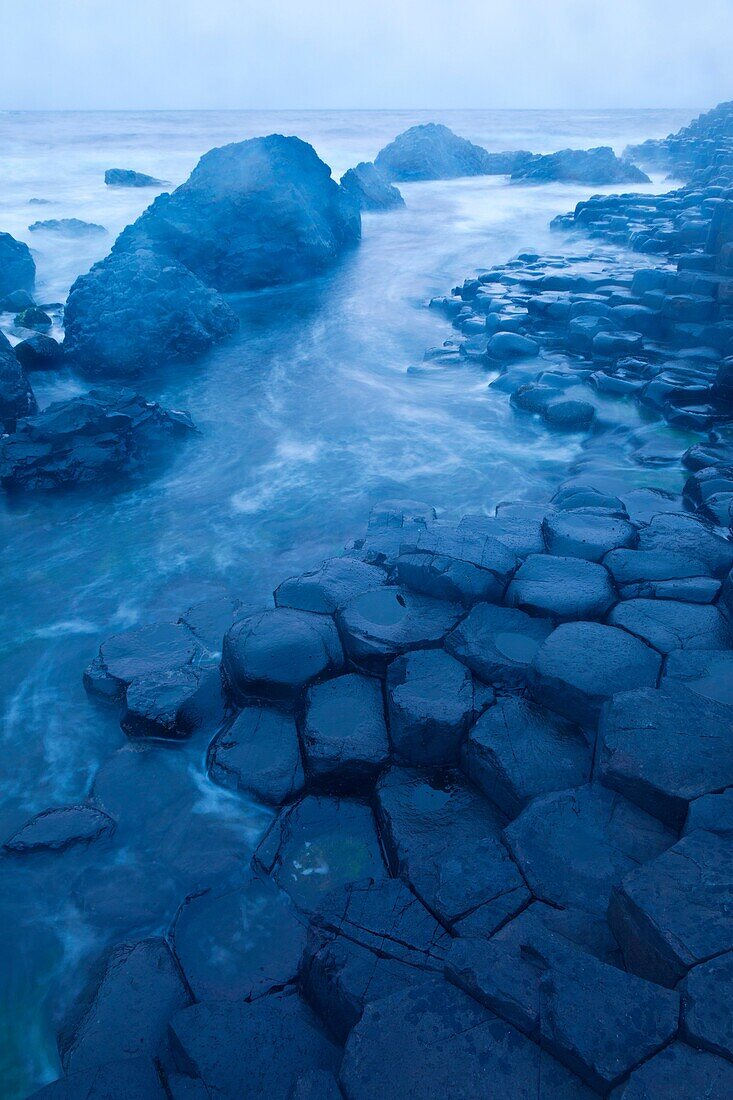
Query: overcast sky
366	53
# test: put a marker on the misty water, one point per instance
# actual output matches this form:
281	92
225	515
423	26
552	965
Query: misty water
319	407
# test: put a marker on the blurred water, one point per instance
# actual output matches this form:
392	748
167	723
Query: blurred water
320	406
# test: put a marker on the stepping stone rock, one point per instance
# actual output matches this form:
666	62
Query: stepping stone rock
329	587
277	653
581	665
444	839
564	588
511	345
654	574
518	750
382	624
574	846
452	563
596	1019
132	1077
498	643
713	812
681	1072
669	624
135	654
260	756
238	943
707	1006
674	913
432	1041
430	704
280	1035
172	703
319	844
579	535
125	1010
519	531
683	534
317	1084
664	748
344	734
59	829
569	415
39	352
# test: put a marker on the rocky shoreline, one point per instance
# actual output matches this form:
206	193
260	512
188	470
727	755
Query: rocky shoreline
497	753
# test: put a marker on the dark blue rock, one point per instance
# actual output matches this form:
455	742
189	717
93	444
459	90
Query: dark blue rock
329	587
712	812
38	352
512	345
431	152
660	575
68	227
343	733
259	755
579	535
58	829
383	623
668	625
16	396
596	166
498	643
707	1005
453	563
431	706
17	269
564	588
369	189
136	1077
678	1071
125	177
686	535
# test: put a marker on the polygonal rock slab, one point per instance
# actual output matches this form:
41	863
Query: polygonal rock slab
277	653
708	672
430	704
671	624
564	588
664	748
121	1080
379	625
574	846
713	812
656	574
319	844
676	911
138	653
58	829
450	563
260	755
684	534
432	1041
681	1072
498	643
518	750
344	733
581	665
444	839
707	1005
172	703
329	587
581	535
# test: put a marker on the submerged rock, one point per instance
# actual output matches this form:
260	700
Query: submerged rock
136	311
126	177
251	214
17	269
58	829
431	152
369	189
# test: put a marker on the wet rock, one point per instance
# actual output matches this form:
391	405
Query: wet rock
133	992
513	526
713	812
277	653
172	703
431	152
279	1033
674	913
518	750
318	845
613	345
570	415
139	653
329	587
136	311
659	575
344	734
210	618
581	665
136	1077
58	829
430	704
707	1005
38	352
16	396
596	166
386	622
678	1071
596	1019
251	214
579	535
453	563
369	189
512	345
574	846
317	1084
444	839
684	534
259	755
34	318
672	624
564	588
68	227
432	1041
498	643
17	269
663	749
125	177
238	943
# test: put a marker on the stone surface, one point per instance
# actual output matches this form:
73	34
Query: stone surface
518	750
431	152
595	166
581	665
678	1071
138	653
68	227
713	812
671	624
498	643
329	587
58	829
17	269
656	574
664	748
172	703
383	623
369	189
260	755
579	535
430	704
707	1005
343	732
574	846
136	1077
684	534
125	177
564	588
444	839
39	352
16	396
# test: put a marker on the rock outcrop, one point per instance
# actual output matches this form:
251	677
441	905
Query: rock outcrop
125	177
17	269
594	166
431	152
16	396
369	189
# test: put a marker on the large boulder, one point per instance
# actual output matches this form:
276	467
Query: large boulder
369	189
16	396
135	311
251	214
431	152
17	269
596	166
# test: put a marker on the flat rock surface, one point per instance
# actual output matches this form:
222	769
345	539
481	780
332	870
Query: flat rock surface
562	587
430	704
498	643
58	829
379	625
343	732
670	624
679	1071
260	755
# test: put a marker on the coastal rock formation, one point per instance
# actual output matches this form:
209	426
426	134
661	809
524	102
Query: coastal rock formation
125	177
16	396
594	166
369	189
251	214
701	152
431	152
136	311
17	269
68	227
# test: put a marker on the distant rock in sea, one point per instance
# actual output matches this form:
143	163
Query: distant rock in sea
252	214
17	269
125	177
595	166
432	152
135	311
69	227
701	153
370	189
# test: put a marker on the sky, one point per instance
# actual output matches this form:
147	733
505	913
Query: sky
133	54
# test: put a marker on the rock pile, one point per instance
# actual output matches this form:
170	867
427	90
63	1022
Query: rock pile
701	153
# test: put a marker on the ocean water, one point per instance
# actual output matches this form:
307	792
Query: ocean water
319	407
